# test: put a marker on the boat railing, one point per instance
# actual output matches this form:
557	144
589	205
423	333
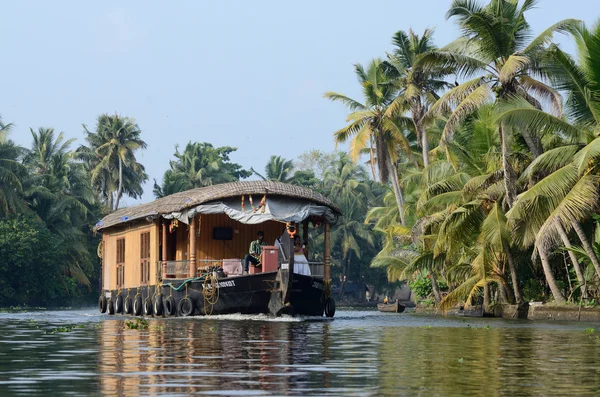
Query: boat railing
317	269
202	265
177	269
181	269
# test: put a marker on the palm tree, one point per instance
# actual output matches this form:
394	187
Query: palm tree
418	87
11	169
566	195
277	169
495	43
346	178
58	190
199	164
370	127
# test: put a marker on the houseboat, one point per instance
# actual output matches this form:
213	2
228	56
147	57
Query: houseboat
183	254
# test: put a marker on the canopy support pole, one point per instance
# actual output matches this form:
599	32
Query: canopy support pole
327	254
305	237
192	256
164	249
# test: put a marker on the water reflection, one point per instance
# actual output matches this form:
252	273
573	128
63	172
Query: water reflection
359	353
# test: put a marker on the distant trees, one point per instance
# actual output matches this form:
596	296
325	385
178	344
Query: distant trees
110	158
199	164
50	196
277	169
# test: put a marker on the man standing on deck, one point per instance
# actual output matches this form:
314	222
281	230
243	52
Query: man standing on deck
255	251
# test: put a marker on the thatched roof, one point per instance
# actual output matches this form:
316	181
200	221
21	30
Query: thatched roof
190	198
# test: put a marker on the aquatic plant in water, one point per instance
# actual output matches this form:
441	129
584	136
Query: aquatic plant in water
139	323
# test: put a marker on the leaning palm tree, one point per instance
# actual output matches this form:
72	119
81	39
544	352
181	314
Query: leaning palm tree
418	87
494	47
370	127
111	157
277	169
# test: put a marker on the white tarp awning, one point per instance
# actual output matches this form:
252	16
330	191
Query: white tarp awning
282	209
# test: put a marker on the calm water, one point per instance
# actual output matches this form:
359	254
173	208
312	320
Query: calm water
358	353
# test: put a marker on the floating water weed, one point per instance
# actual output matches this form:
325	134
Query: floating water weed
139	323
64	328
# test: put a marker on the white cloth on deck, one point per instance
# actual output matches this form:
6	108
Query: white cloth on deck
301	265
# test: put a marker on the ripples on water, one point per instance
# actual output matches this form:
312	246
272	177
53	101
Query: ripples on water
359	353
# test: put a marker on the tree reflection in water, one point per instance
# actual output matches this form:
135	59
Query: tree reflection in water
359	353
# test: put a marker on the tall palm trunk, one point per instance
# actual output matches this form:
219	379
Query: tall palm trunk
437	294
393	175
556	293
486	297
533	143
120	190
372	162
417	116
565	239
513	275
587	246
509	173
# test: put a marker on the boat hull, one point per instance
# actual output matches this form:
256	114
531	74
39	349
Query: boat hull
390	307
248	294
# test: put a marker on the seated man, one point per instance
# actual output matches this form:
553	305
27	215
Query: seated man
255	251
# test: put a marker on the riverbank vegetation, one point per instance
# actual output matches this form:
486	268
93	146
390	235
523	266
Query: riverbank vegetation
491	148
472	173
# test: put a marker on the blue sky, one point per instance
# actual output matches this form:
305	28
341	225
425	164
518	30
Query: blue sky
244	74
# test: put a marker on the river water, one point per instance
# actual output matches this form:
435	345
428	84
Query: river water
359	353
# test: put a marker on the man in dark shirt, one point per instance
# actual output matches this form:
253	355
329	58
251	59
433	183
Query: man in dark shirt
255	251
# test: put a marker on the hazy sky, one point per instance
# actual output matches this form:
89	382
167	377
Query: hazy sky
248	74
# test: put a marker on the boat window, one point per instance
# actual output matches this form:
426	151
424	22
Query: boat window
120	262
145	257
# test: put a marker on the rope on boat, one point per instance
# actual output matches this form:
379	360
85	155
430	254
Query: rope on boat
210	291
185	282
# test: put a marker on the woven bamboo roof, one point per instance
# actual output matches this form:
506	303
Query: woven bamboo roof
190	198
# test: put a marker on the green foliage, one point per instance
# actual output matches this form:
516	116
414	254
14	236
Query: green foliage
110	158
31	273
421	286
139	323
200	164
64	328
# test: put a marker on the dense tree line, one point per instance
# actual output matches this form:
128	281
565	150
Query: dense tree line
490	146
481	180
52	193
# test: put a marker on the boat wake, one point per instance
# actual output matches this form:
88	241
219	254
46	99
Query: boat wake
253	317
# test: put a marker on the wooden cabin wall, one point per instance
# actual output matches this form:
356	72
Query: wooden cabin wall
132	234
243	235
181	252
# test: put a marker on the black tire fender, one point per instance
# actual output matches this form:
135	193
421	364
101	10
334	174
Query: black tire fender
102	304
119	304
330	307
148	309
111	306
128	306
170	306
158	305
137	305
185	307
